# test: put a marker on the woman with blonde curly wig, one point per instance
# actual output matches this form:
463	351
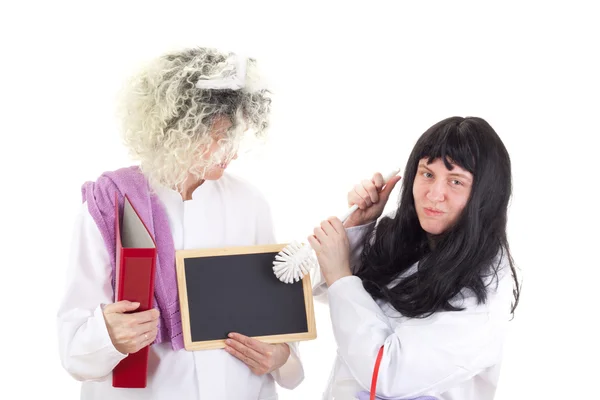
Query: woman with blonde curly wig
183	118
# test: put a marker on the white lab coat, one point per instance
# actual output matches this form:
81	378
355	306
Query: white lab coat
450	355
226	212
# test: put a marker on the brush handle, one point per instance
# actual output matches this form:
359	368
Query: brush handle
355	206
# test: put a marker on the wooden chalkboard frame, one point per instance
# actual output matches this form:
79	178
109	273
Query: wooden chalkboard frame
182	255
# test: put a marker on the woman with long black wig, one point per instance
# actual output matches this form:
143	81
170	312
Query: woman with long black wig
434	283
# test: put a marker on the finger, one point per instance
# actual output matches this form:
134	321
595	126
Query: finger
372	191
122	306
364	195
148	337
319	234
146	327
389	186
246	350
151	335
378	181
328	228
241	356
145	339
314	243
147	316
337	225
354	198
256	345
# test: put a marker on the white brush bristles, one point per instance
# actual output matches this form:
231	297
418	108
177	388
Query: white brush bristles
293	262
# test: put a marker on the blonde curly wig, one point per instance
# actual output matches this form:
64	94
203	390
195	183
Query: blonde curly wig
166	120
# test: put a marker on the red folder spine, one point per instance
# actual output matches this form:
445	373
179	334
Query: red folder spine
134	281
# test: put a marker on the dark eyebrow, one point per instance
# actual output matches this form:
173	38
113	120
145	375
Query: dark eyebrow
455	174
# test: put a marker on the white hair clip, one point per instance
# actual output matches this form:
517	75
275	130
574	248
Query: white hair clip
235	81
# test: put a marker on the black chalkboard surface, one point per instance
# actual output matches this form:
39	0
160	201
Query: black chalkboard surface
235	290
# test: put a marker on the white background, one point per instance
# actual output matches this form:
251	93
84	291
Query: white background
355	86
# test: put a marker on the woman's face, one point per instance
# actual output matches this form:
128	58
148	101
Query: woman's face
218	133
440	194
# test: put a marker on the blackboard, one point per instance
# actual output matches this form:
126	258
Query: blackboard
235	290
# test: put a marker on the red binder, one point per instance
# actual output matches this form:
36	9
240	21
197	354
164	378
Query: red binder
134	281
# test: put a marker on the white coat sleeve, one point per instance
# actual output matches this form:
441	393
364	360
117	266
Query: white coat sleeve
420	356
291	374
356	235
85	348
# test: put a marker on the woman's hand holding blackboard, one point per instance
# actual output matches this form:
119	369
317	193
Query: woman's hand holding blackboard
130	331
261	358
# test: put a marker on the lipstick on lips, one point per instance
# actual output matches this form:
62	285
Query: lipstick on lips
431	212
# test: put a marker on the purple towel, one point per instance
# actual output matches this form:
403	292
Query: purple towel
100	198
